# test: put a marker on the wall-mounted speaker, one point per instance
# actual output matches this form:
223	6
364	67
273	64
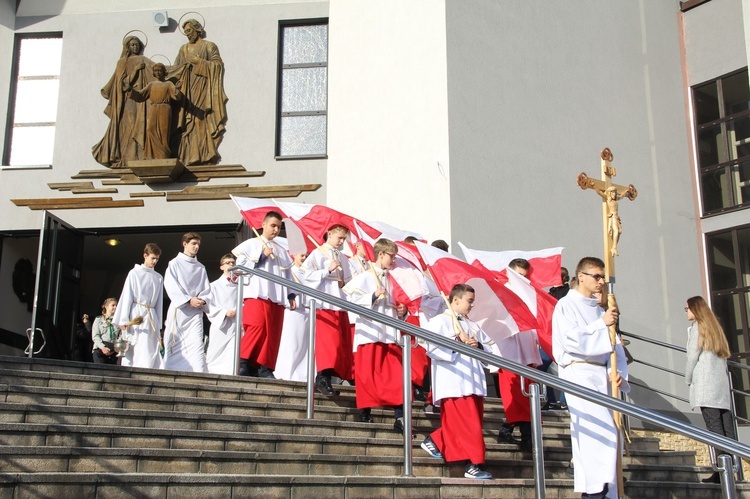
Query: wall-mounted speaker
160	18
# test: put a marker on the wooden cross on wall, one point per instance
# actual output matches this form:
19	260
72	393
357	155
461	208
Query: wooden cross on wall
611	195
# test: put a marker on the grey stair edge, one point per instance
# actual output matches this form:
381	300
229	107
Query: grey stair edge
167	479
120	432
183	376
329	406
70	451
206	417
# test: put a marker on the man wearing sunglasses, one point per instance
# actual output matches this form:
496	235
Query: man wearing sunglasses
581	346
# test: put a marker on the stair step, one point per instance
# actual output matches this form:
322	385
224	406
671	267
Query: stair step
129	485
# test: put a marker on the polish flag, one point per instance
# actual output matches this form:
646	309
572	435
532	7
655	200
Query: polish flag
411	254
545	264
391	232
407	284
541	304
254	210
498	311
314	220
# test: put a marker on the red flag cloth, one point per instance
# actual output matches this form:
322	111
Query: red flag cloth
497	310
410	253
316	219
254	210
545	264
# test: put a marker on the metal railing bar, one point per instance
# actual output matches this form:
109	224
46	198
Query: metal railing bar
665	369
672	395
542	377
654	342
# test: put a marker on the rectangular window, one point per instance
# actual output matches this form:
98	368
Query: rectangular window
722	128
728	255
302	108
30	135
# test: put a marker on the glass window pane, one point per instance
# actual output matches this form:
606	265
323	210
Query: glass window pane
305	44
40	57
727	309
36	101
721	261
304	89
741	180
706	103
716	190
736	93
739	137
32	145
711	146
303	135
743	241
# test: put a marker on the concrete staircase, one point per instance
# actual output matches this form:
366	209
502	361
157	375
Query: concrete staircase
76	430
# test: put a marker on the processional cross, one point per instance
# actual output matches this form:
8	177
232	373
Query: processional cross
612	229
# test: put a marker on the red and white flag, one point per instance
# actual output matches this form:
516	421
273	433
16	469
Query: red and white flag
541	304
498	311
545	264
254	210
314	220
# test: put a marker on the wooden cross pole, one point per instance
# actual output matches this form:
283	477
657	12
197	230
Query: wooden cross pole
612	229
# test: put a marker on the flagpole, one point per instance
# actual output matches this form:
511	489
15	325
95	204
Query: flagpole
265	244
321	249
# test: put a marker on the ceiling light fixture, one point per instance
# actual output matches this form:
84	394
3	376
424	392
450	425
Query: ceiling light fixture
112	241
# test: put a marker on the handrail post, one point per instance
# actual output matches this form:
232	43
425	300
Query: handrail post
740	471
238	324
726	470
536	435
406	361
311	359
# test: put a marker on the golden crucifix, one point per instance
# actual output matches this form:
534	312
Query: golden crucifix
612	228
611	195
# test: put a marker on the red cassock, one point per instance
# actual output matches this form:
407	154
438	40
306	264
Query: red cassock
420	362
517	406
262	321
333	342
379	375
460	434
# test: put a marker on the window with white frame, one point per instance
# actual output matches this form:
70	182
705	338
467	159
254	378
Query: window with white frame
30	134
302	117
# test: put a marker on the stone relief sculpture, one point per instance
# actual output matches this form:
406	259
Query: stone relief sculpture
143	96
125	136
159	96
203	116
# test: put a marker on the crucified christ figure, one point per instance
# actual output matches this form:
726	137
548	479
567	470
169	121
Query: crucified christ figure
612	196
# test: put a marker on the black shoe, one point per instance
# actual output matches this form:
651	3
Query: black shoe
715	478
246	369
598	495
398	426
323	384
264	372
476	471
525	443
364	417
506	435
419	394
569	472
546	406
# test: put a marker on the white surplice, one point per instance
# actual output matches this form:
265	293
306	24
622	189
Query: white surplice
453	374
360	292
183	333
250	254
222	334
316	275
291	363
581	346
142	296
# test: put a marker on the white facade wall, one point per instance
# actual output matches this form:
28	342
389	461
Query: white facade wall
536	90
388	131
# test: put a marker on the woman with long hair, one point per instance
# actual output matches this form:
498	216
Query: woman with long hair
706	370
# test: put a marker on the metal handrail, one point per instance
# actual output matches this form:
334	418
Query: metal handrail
541	377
